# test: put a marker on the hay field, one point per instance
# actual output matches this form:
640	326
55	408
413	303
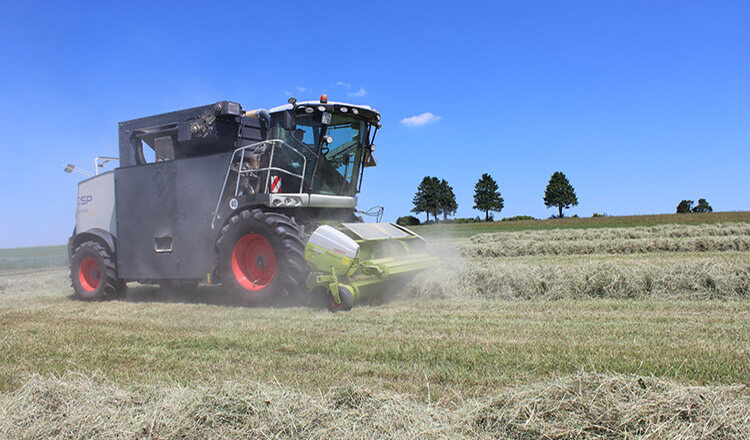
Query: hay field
666	261
573	340
629	221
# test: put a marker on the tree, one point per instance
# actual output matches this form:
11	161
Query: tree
407	220
702	206
560	193
446	199
486	196
426	198
684	206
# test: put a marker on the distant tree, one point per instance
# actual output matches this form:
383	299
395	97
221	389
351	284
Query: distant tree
702	206
560	193
446	199
427	196
518	218
407	220
487	197
684	206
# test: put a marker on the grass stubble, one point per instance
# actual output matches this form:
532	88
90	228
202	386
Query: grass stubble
615	340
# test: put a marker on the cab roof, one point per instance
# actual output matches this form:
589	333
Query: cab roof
364	111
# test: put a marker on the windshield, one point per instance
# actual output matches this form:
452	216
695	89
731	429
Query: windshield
337	172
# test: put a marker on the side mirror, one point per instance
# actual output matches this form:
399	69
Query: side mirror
288	121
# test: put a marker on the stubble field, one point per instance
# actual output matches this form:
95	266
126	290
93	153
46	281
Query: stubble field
637	331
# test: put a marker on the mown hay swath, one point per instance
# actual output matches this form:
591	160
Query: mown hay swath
507	279
639	240
591	406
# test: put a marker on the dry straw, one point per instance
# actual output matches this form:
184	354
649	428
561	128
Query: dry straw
471	269
490	279
638	240
591	406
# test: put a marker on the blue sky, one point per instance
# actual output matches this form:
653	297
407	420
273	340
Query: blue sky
640	104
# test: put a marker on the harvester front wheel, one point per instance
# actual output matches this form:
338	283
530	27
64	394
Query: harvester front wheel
261	257
347	301
93	273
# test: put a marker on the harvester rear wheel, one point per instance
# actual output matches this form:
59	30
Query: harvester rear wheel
261	257
93	273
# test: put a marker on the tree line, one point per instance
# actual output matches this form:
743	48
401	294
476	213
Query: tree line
686	206
435	196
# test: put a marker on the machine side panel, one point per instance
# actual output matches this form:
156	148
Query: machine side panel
199	182
147	222
96	204
199	131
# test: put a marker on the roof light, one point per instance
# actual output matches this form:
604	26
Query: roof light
309	109
355	111
343	109
321	108
324	99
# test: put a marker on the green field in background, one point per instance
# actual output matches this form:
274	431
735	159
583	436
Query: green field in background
469	229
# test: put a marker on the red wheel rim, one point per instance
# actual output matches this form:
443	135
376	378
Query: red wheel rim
333	302
253	262
89	274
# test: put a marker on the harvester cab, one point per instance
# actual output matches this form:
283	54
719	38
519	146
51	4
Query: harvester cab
261	202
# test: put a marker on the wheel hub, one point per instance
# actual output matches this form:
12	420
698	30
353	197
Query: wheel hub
89	274
253	262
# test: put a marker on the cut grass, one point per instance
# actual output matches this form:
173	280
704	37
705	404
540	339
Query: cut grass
465	347
594	363
469	229
591	406
724	237
536	278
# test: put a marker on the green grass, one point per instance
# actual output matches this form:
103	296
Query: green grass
464	347
33	258
469	229
461	346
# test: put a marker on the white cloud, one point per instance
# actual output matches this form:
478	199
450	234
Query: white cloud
420	120
301	89
344	84
360	92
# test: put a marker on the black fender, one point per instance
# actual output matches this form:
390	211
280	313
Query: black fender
97	234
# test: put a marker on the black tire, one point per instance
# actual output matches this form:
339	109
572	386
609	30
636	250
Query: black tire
347	301
93	274
261	270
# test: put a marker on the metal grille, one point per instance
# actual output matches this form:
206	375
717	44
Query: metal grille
376	231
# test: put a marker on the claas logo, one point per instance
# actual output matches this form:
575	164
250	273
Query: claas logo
85	200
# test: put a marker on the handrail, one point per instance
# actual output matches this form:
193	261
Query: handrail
272	143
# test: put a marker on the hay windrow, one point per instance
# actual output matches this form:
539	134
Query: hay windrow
598	406
638	240
671	261
592	406
489	279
